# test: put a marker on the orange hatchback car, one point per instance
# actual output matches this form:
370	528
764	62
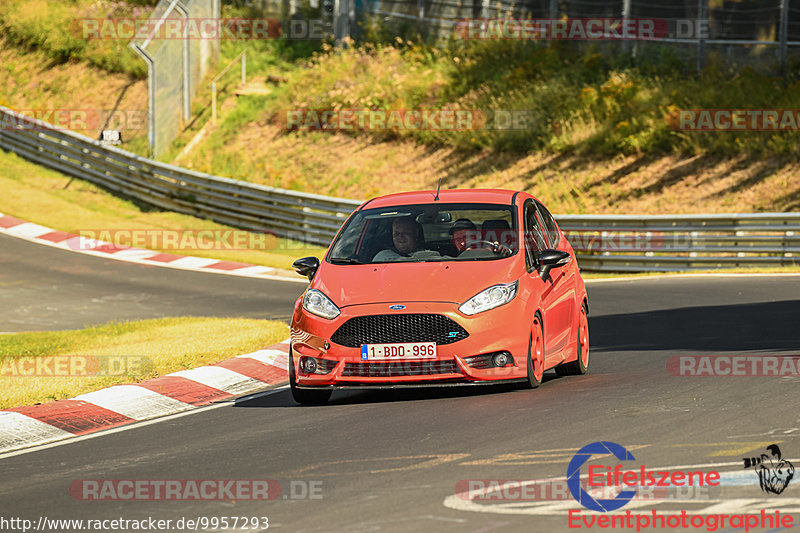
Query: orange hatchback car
460	287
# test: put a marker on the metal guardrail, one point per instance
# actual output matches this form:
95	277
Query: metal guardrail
621	243
660	243
310	217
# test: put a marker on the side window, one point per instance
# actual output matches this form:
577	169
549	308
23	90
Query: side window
534	239
549	225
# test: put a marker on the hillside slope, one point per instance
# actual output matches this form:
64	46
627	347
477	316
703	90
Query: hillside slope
600	139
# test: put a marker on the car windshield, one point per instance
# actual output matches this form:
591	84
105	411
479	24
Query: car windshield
425	233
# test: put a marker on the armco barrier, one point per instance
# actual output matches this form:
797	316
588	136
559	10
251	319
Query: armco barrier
312	217
660	243
622	243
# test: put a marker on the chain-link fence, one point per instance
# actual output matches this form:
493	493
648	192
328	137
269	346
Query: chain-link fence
759	33
178	59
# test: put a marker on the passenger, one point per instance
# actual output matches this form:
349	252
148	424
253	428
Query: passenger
407	238
406	235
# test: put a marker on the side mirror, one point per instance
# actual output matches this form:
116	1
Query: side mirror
306	266
550	259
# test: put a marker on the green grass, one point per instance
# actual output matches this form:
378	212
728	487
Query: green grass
590	104
55	27
54	200
587	106
267	57
141	349
591	99
588	100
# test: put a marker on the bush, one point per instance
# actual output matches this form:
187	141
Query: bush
584	99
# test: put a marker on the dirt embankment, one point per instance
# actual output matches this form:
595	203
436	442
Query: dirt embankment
361	167
72	95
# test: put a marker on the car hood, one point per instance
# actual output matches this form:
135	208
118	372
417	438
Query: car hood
451	281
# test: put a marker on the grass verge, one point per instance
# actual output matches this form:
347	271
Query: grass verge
52	199
140	350
56	27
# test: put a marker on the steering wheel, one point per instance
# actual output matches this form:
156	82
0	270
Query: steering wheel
495	246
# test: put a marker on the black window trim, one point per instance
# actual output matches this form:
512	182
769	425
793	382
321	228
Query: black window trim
534	263
340	233
545	213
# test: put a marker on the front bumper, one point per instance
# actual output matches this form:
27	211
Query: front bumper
416	385
497	330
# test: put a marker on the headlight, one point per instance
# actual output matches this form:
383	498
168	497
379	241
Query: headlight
490	298
316	302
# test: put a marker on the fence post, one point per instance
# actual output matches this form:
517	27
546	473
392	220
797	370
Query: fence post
626	14
553	12
214	103
341	22
187	84
217	11
420	16
337	22
151	96
784	35
702	17
243	55
244	67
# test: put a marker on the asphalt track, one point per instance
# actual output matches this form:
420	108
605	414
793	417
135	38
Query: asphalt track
392	460
45	288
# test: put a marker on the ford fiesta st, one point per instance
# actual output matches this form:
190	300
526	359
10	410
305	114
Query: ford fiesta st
428	288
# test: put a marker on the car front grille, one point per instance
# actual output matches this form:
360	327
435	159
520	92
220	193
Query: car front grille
387	329
406	368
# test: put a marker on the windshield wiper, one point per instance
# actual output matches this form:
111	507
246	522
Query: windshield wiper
346	261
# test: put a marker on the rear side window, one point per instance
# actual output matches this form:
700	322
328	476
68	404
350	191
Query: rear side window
550	227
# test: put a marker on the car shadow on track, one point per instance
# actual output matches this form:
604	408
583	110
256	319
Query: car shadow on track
364	396
768	326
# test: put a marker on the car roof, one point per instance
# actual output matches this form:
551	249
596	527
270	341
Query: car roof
487	196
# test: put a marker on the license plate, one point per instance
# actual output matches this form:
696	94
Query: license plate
406	350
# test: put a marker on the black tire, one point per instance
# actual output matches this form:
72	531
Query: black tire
533	382
579	366
306	396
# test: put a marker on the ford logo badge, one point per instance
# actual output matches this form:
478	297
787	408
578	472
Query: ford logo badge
397	307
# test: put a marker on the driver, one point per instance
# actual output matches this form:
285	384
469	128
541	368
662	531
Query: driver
462	229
